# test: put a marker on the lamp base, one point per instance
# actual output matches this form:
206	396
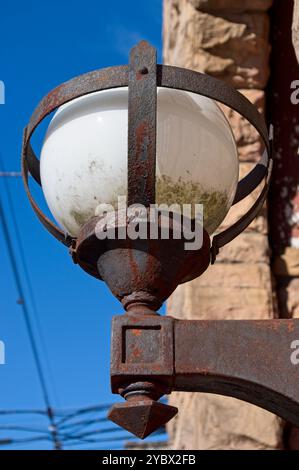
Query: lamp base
139	263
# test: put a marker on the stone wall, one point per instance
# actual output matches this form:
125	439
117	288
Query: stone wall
284	192
229	40
295	28
287	264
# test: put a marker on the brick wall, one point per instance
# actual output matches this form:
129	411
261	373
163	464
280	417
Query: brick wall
230	43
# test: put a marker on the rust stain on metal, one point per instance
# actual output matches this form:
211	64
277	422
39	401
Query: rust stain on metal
291	326
142	143
142	125
143	76
254	367
135	352
249	360
136	332
161	354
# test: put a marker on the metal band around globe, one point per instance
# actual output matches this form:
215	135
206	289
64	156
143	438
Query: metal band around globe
168	77
50	226
142	125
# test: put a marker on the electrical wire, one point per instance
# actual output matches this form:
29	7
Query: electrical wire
68	436
17	412
22	441
83	423
25	428
27	278
104	431
49	409
63	431
12	174
89	409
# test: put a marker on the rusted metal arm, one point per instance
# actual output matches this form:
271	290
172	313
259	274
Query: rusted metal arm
250	360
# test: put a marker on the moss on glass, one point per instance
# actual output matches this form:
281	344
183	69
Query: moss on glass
215	203
168	191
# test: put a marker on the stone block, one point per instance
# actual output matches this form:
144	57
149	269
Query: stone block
231	46
248	247
232	5
228	424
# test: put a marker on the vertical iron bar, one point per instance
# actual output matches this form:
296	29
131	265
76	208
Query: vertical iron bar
142	111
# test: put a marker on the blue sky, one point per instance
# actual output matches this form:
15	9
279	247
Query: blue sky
41	45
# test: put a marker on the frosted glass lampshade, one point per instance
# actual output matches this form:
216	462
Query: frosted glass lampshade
84	156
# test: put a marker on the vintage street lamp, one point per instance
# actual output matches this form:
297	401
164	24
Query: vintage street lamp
155	134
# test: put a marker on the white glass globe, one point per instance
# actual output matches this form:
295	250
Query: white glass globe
84	156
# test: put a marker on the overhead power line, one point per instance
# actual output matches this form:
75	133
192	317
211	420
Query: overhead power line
65	428
70	436
11	174
27	277
28	324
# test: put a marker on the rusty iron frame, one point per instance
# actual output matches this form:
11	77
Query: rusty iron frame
154	355
142	107
143	77
245	359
